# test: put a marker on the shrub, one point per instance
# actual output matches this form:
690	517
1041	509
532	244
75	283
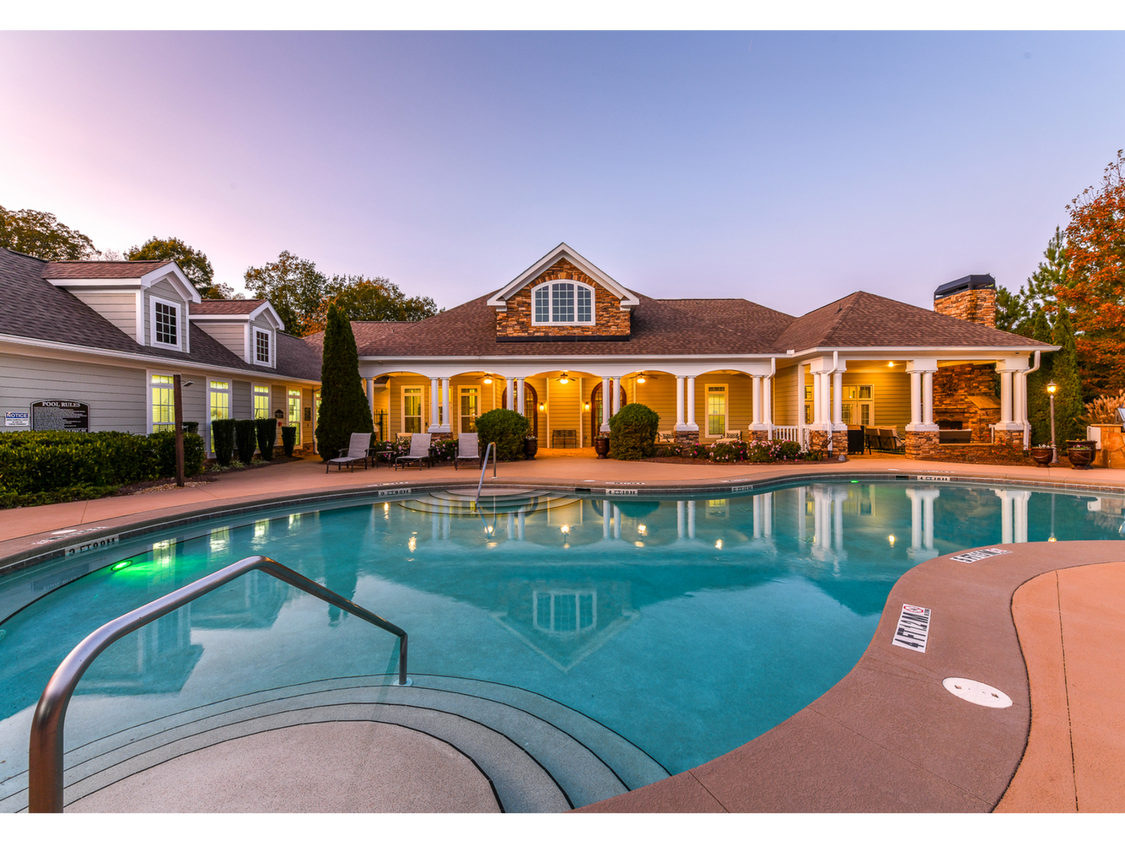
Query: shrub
632	432
245	437
267	432
164	451
343	405
1103	410
507	429
288	440
787	449
191	427
222	440
443	450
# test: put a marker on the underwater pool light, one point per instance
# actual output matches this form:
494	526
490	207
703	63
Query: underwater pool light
124	564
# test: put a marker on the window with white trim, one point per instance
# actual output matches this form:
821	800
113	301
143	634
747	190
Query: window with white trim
295	412
562	303
165	323
564	612
470	409
858	405
716	410
261	401
163	403
263	347
219	399
412	410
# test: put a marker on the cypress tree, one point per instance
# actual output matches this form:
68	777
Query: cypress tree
1064	372
343	405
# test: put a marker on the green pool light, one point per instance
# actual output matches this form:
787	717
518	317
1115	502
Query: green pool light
124	564
855	482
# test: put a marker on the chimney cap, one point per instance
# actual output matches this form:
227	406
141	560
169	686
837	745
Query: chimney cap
969	282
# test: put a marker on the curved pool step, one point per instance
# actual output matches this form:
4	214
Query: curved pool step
464	503
540	756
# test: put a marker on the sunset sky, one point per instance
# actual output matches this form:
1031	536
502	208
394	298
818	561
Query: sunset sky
789	168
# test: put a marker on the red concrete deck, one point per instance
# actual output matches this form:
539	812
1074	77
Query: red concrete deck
888	737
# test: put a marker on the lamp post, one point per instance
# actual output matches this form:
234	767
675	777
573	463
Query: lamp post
177	398
1052	387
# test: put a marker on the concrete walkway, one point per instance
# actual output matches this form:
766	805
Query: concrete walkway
1070	634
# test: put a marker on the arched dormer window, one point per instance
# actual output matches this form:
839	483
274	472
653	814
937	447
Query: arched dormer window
562	303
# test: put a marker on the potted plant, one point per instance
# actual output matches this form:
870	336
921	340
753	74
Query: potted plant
1042	454
1080	453
530	447
601	446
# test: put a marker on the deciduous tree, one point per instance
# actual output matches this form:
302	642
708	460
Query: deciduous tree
294	287
40	234
375	299
343	405
194	264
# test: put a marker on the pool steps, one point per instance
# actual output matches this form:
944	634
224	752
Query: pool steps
539	755
492	501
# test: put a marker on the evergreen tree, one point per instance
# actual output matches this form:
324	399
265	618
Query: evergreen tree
343	405
1064	372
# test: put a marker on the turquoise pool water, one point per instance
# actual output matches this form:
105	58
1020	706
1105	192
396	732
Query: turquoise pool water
689	627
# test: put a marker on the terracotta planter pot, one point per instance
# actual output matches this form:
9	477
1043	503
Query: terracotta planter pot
530	447
1080	457
1042	455
601	446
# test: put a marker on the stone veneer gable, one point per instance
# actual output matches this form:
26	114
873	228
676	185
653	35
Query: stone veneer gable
609	319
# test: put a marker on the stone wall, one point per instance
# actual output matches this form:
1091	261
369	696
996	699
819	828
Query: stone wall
922	445
818	441
977	306
684	437
966	393
609	319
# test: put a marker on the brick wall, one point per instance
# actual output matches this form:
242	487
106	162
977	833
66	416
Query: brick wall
609	319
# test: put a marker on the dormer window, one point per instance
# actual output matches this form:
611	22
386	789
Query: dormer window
165	325
563	303
263	347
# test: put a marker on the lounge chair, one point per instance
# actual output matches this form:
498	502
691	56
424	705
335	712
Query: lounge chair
419	451
468	448
358	451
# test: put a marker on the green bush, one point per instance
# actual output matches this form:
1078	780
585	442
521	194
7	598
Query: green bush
164	447
267	434
222	440
343	404
632	432
289	439
245	438
507	429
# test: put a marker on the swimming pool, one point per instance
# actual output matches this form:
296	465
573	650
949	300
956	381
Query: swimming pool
688	627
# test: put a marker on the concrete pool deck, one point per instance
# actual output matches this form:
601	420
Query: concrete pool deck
1041	624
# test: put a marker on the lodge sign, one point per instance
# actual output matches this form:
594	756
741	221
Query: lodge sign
60	415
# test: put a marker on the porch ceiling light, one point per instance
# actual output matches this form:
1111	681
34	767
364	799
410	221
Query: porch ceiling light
564	379
487	379
890	363
640	379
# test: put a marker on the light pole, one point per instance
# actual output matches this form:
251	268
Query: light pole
1051	388
177	398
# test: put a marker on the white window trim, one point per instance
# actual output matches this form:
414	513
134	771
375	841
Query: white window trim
254	387
421	407
179	309
726	410
150	375
865	401
300	397
254	332
551	302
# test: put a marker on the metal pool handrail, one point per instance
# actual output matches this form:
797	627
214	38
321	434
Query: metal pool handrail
484	468
45	757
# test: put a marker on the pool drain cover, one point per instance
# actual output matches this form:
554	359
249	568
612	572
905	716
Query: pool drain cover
976	692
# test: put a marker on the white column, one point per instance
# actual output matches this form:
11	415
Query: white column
607	520
691	520
446	420
767	403
1005	396
915	400
691	426
521	408
756	403
1019	399
801	399
607	385
757	517
681	519
838	515
510	400
679	402
616	395
927	398
616	522
433	404
817	399
837	400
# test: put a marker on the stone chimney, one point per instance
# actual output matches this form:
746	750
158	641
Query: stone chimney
972	298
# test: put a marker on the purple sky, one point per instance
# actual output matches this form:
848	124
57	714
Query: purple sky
789	168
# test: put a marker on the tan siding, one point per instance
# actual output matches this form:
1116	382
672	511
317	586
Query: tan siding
785	397
657	393
117	306
564	411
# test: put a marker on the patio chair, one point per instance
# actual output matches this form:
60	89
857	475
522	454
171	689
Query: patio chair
730	437
468	448
358	451
665	436
419	451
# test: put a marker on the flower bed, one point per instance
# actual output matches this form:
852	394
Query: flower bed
758	451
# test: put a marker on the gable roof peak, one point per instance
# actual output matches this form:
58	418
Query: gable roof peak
499	300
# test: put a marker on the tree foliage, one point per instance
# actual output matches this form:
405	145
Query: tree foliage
302	295
1096	237
41	235
343	405
194	264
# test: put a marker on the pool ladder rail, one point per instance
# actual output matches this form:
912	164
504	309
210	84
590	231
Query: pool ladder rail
484	467
45	757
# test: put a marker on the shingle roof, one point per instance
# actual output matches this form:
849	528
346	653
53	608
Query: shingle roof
659	327
236	307
100	269
33	308
864	319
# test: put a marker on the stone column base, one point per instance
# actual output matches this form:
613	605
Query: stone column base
683	437
921	444
1013	439
818	441
759	436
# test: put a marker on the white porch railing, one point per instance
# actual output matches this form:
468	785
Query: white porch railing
791	433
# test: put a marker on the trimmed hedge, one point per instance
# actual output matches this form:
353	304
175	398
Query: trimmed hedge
267	434
245	438
507	429
632	432
222	440
41	467
289	439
